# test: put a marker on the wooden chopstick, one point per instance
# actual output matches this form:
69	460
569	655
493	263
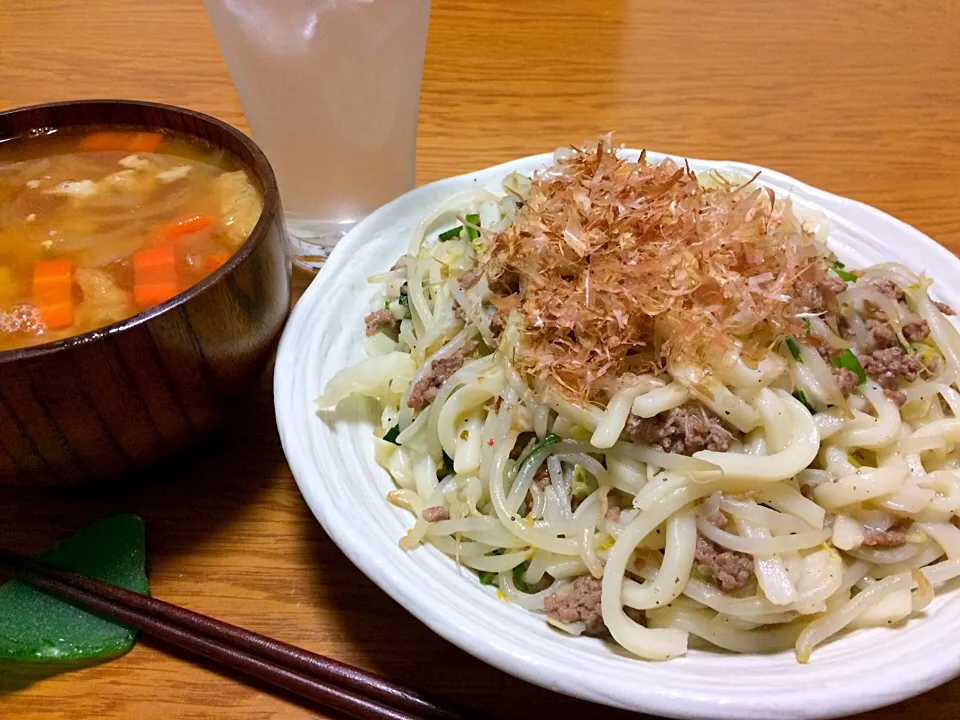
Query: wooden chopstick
336	685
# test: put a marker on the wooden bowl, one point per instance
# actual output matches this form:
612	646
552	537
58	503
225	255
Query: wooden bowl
123	396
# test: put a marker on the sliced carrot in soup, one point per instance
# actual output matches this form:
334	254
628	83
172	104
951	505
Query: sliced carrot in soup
57	317
154	276
121	141
100	141
53	292
144	142
215	260
184	226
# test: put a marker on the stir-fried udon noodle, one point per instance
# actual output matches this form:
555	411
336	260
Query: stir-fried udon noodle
652	404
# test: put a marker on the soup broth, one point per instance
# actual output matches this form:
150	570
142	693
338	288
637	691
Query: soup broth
100	224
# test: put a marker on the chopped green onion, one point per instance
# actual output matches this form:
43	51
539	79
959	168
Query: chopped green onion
472	232
837	267
794	347
806	326
798	394
392	434
848	360
551	439
487	578
451	233
473	219
404	300
518	572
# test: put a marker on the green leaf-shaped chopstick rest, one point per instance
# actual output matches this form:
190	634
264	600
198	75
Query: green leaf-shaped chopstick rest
42	632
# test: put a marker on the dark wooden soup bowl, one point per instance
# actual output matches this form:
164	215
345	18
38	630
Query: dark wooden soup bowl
121	397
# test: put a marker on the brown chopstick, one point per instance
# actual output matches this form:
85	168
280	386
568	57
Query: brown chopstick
336	685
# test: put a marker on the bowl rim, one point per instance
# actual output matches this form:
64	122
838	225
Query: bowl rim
260	167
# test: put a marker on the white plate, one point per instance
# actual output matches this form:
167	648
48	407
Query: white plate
345	488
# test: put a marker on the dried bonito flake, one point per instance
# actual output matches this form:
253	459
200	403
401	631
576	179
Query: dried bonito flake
615	267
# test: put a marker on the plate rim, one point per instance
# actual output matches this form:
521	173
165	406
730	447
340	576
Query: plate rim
682	704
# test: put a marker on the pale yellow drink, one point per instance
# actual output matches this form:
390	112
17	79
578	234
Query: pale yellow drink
330	89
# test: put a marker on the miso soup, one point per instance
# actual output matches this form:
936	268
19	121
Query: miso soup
98	225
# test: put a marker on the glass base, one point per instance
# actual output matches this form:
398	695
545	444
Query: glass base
311	242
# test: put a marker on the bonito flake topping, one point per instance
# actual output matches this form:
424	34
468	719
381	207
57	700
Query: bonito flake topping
614	267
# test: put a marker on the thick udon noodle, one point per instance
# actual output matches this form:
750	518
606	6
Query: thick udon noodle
814	577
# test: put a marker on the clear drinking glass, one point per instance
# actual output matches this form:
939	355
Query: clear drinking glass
331	90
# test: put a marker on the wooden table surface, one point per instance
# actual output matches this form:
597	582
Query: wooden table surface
862	99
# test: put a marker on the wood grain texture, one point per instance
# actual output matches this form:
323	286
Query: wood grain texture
861	99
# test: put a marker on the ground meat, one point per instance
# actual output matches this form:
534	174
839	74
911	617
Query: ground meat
890	538
717	519
888	288
468	279
872	310
730	570
496	321
820	296
542	479
580	605
889	366
683	430
846	379
493	317
435	513
881	335
944	308
898	396
613	514
424	392
379	320
916	331
844	328
832	284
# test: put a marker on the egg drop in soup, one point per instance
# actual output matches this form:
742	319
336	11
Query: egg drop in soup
99	225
